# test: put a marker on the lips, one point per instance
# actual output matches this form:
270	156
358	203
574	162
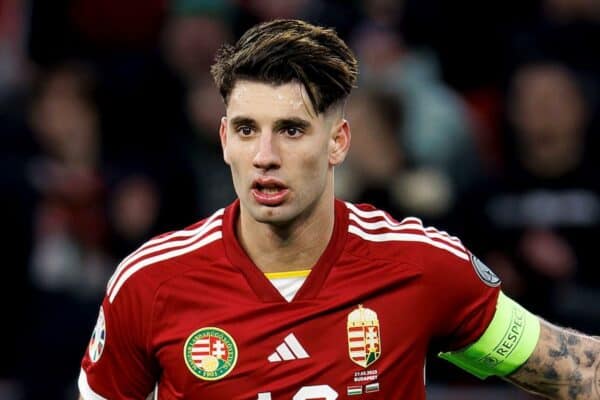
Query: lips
269	191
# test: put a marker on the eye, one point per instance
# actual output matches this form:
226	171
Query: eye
292	131
244	130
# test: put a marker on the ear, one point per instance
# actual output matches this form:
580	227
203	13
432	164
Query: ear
223	136
339	143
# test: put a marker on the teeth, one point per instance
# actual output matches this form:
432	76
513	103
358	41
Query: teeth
269	190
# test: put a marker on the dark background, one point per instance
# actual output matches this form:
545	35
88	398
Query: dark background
480	118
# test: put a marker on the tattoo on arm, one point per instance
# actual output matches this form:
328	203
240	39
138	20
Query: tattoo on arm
564	365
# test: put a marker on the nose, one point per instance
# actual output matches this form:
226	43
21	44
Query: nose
267	155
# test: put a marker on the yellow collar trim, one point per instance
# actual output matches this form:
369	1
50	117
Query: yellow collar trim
303	273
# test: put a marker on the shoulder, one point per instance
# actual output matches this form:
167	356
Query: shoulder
167	255
408	237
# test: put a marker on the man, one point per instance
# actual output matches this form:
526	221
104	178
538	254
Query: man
289	293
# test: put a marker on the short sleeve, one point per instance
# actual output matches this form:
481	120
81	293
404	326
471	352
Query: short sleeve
116	363
462	293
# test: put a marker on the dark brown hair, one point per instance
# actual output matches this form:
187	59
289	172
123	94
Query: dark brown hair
284	51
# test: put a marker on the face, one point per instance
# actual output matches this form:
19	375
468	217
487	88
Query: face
281	152
549	111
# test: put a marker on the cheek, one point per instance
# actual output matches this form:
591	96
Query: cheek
235	163
313	166
237	155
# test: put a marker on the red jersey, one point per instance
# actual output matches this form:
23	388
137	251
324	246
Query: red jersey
190	315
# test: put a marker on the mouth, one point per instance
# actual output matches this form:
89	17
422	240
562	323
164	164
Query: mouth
269	191
268	185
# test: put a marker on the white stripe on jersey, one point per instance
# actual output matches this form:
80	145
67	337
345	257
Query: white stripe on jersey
405	237
173	235
371	214
402	226
405	221
445	234
384	224
146	250
161	257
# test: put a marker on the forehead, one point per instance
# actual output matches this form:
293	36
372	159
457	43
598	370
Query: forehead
264	100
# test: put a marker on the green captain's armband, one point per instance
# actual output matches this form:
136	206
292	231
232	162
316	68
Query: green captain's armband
505	345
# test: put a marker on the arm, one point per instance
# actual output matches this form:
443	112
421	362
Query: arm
565	364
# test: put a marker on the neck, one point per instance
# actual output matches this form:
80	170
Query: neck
293	246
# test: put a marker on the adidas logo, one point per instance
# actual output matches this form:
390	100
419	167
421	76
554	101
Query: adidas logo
290	349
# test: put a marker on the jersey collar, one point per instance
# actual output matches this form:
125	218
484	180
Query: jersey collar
257	279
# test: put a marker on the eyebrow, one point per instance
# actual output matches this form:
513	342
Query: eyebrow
238	121
278	125
291	122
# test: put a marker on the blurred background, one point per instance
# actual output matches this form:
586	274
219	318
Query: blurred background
479	117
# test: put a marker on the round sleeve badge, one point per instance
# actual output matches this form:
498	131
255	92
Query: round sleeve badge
98	338
484	272
210	353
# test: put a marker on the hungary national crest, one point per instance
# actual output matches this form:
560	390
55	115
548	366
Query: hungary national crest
364	342
210	353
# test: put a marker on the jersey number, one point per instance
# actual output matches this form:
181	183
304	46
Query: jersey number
307	393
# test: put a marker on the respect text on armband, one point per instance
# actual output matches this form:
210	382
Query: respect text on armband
509	341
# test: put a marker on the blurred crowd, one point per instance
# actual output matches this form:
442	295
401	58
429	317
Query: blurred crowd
480	118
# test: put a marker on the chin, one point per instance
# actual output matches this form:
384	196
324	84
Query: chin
273	215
